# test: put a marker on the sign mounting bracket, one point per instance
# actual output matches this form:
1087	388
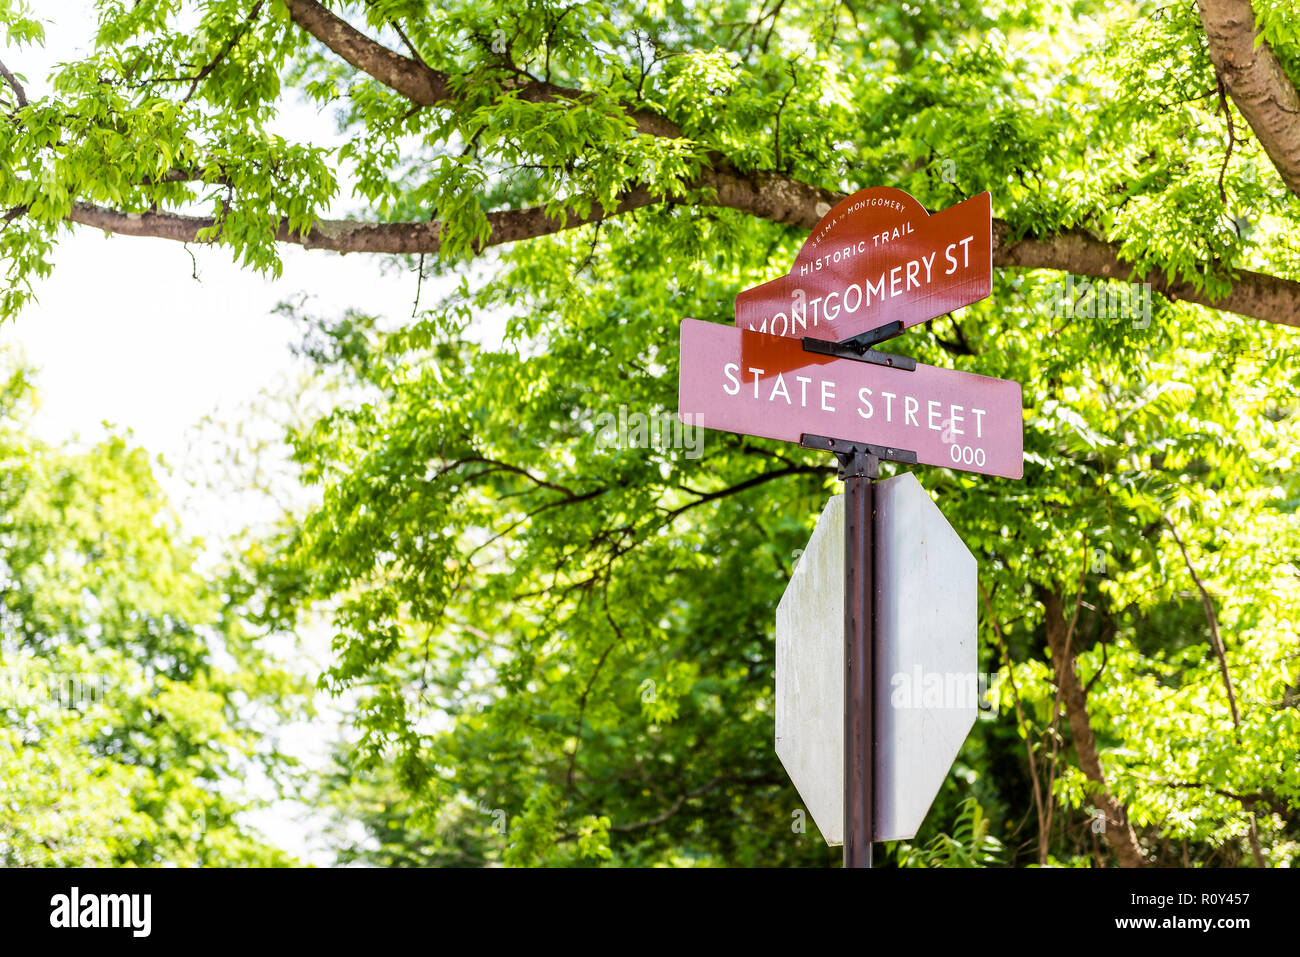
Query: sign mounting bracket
851	349
857	458
865	340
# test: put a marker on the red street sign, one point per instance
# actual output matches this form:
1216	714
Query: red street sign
756	384
877	257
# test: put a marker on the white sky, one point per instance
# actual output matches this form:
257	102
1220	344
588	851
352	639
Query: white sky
124	334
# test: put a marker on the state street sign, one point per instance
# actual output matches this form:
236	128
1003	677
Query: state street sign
768	386
877	257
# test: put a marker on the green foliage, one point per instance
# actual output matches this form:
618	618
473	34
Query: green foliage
580	637
573	631
969	845
133	695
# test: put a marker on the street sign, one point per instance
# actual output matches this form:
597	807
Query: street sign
926	683
877	257
885	589
766	385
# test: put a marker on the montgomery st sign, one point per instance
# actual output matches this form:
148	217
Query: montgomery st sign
876	258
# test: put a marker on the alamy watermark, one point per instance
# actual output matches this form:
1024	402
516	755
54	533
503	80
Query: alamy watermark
75	909
944	689
1085	299
500	820
661	431
26	688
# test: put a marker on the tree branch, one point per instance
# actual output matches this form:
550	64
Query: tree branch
1265	95
763	195
515	470
1216	641
582	700
743	486
13	84
425	86
1119	833
676	806
233	42
1266	799
1044	839
1256	295
352	236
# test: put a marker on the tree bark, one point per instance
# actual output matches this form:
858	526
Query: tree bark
1256	295
425	86
1118	833
776	198
1254	78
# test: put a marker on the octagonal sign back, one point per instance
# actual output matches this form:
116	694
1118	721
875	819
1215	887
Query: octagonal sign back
926	682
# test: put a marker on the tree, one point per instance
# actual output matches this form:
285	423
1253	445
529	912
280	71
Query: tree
579	635
547	116
124	740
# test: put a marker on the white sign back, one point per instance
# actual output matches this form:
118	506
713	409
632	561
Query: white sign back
926	680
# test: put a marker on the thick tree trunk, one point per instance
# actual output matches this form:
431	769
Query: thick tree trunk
1118	833
1253	77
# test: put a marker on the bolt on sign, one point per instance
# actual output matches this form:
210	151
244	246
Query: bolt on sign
876	258
763	385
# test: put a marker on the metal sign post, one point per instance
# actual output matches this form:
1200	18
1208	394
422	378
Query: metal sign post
859	471
859	468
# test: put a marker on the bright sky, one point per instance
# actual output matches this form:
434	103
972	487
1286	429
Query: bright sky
123	333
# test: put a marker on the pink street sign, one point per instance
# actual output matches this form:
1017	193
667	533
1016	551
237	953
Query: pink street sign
877	257
756	384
